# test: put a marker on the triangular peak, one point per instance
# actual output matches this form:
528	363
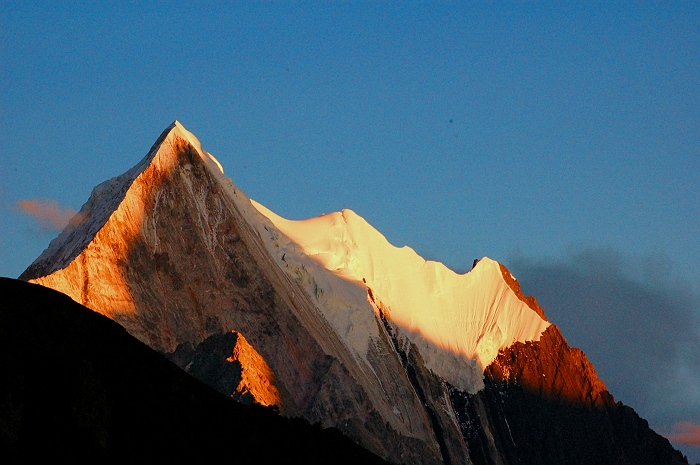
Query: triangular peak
106	198
179	130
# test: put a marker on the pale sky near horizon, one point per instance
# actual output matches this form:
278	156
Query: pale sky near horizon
561	139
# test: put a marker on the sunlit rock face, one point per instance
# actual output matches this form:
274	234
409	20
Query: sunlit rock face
229	364
322	318
547	405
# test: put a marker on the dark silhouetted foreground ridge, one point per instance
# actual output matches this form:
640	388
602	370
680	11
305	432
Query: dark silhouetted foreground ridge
77	387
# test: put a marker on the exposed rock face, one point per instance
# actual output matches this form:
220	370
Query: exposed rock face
181	258
229	364
549	406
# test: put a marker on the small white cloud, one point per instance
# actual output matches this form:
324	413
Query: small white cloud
48	213
685	432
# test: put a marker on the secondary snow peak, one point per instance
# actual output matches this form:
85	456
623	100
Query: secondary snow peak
458	322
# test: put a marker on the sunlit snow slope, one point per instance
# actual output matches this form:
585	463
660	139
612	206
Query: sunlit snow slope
458	322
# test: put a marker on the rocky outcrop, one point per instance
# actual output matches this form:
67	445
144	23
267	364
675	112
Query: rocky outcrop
229	364
545	404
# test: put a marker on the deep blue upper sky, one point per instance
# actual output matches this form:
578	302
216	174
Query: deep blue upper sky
527	132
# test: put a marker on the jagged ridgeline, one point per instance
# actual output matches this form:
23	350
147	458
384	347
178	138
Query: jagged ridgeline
325	319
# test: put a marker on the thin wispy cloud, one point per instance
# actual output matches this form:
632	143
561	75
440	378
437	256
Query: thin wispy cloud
685	432
47	212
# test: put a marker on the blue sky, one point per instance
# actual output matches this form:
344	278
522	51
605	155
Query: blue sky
548	136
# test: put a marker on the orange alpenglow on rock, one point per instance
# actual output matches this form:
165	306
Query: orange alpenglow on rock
256	376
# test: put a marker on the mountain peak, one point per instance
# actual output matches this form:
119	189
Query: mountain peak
359	334
106	198
177	130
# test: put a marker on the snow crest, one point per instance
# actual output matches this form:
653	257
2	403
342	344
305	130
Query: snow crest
208	158
458	322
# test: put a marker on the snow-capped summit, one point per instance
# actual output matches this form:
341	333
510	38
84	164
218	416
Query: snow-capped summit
107	197
325	319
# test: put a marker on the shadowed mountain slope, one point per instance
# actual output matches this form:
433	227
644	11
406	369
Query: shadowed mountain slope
76	386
